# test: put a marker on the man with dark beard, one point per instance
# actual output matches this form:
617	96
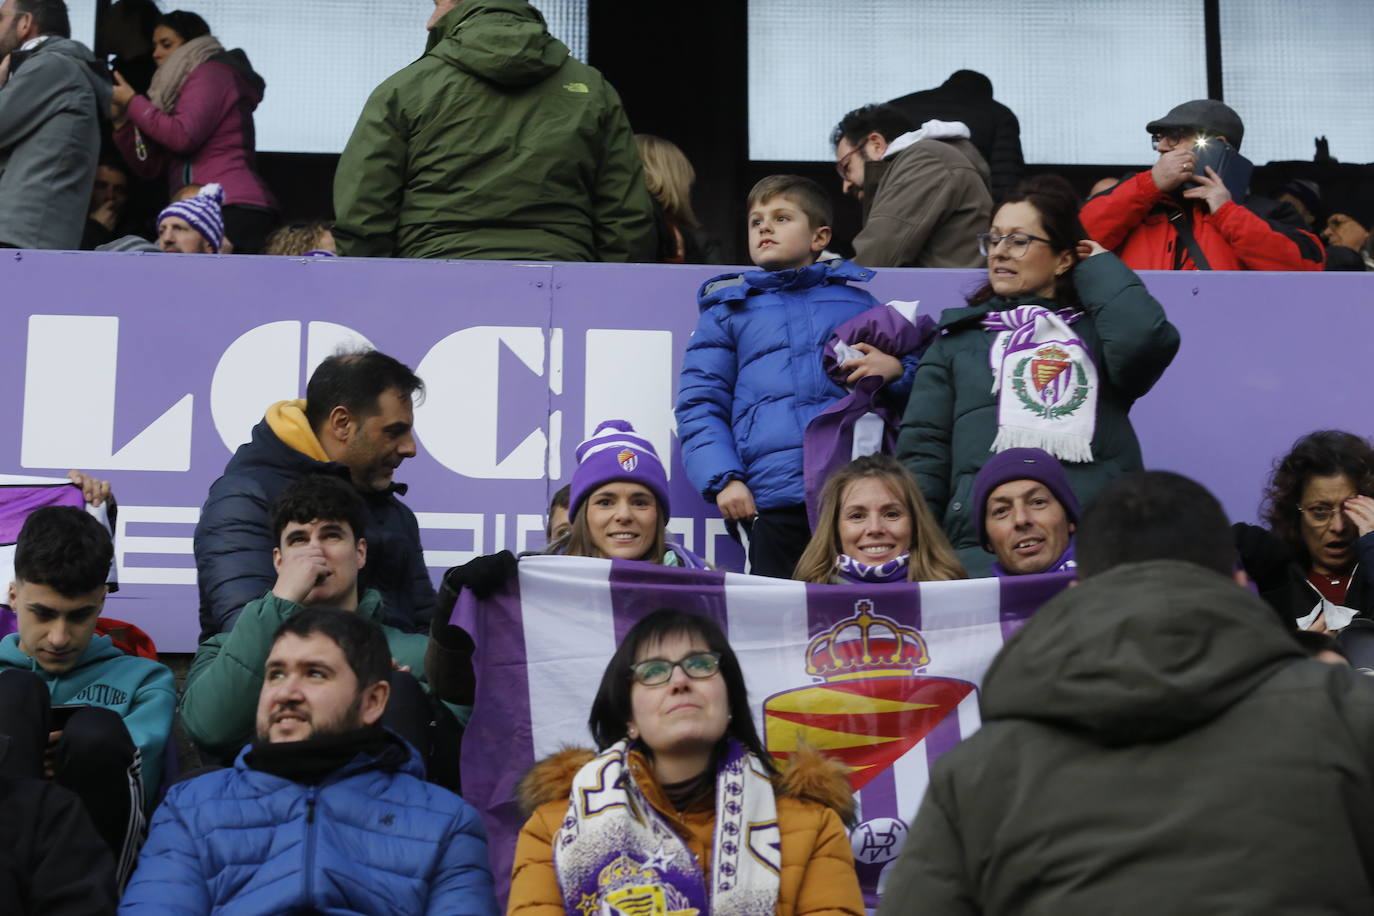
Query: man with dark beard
326	811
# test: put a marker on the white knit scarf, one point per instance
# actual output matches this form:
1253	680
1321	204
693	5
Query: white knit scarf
169	78
1045	382
616	854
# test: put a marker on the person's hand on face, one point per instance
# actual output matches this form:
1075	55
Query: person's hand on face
1360	509
1173	168
736	501
105	215
1210	189
873	362
301	570
4	69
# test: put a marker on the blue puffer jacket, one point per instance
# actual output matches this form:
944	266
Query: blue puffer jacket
752	377
372	838
233	541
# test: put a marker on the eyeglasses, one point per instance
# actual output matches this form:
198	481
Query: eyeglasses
1017	243
1172	134
840	164
654	671
1319	515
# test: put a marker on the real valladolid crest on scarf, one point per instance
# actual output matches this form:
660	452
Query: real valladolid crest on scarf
615	853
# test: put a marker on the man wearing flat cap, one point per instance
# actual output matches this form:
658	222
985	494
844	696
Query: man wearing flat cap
1182	215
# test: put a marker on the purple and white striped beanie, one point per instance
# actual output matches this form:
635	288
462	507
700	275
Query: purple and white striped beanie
616	452
202	213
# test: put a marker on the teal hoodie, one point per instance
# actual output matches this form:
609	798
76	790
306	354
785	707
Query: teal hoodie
142	691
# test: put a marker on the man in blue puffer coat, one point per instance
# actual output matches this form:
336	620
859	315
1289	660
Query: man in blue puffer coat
752	378
326	812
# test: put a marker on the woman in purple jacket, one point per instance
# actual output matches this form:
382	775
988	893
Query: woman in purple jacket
195	125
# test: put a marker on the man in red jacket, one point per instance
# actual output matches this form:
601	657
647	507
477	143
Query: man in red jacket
1164	218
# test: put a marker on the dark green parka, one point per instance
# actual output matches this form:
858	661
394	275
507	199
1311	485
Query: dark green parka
1153	742
951	416
495	144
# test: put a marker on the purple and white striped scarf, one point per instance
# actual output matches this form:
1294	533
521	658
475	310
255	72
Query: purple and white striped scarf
1045	382
616	854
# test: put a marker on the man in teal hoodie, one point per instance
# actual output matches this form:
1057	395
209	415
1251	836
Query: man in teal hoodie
76	709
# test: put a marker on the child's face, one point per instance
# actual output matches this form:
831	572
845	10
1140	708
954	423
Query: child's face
781	236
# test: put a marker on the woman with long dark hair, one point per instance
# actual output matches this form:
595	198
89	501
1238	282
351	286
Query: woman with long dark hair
681	803
1050	352
195	125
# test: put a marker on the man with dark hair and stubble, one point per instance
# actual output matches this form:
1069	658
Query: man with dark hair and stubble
1153	741
327	811
355	423
924	188
53	96
75	709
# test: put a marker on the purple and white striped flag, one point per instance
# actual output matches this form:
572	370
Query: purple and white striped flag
882	677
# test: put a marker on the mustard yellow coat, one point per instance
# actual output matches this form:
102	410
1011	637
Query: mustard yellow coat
813	796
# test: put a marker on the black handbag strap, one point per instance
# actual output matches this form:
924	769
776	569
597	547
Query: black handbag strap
1182	225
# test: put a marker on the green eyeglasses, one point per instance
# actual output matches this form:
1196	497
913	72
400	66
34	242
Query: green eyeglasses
654	671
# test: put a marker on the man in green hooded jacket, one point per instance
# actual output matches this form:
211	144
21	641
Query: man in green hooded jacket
1153	741
495	144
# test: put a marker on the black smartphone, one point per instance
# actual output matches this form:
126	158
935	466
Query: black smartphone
62	714
1235	170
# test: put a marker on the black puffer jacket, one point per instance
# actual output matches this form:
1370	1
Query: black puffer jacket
1154	742
233	541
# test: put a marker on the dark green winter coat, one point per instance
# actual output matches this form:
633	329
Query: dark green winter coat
494	144
951	417
1153	742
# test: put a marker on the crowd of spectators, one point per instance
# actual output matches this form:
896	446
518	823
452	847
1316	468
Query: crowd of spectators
330	688
547	167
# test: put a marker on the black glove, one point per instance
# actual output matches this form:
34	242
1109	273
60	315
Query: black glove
481	576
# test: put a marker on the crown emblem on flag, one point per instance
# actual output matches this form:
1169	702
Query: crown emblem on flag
866	645
628	459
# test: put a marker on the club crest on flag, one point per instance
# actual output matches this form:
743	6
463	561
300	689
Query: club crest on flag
872	705
628	460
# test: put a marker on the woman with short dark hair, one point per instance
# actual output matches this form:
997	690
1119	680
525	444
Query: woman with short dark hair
681	803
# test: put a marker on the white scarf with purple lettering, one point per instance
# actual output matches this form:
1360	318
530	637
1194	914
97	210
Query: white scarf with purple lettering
1045	382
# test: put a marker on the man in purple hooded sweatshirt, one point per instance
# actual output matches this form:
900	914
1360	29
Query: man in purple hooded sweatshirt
1025	512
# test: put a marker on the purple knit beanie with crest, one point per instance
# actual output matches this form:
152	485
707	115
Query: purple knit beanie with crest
616	452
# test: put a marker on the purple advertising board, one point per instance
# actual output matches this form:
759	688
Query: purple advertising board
149	370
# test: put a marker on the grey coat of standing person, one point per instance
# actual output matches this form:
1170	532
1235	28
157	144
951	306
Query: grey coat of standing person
53	94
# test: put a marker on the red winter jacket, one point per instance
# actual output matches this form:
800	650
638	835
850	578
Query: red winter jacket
1132	220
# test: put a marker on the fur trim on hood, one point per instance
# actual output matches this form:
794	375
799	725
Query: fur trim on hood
808	774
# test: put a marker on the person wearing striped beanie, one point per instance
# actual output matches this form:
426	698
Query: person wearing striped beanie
194	225
618	500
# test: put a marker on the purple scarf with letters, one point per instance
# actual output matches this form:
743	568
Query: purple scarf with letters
861	573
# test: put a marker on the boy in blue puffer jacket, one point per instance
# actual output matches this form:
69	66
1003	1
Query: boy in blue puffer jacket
752	377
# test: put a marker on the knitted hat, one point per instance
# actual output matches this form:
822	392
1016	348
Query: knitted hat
616	452
1204	115
1021	464
202	213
